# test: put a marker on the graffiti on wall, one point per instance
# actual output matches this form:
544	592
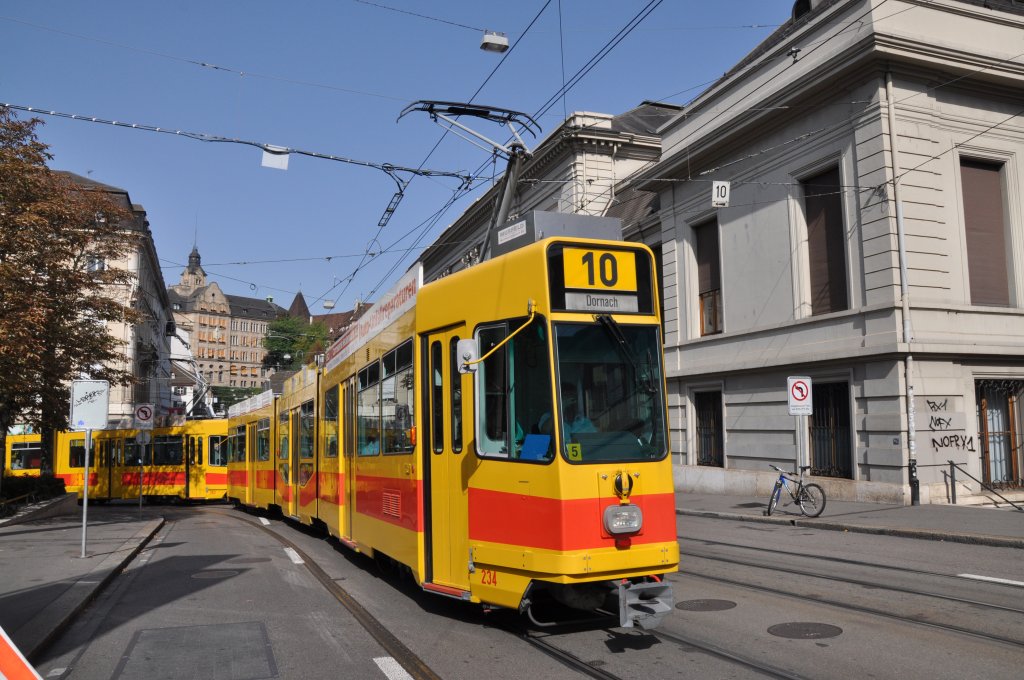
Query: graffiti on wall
944	426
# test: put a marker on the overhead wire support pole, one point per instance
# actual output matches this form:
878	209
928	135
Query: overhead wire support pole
515	152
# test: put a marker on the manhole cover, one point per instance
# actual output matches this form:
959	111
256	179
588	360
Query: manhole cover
705	605
215	573
249	560
805	631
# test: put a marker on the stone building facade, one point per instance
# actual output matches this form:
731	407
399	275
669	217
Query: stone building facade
146	344
226	331
873	241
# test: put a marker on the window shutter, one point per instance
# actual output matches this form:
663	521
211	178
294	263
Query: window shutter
981	186
826	247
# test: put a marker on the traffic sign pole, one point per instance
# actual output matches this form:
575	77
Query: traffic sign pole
801	405
85	489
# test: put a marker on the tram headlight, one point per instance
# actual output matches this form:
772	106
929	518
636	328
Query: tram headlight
623	519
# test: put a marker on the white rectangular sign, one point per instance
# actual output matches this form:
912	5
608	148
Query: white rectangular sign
720	194
800	399
90	403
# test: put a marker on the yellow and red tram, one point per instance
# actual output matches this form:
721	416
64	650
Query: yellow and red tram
23	456
186	462
500	432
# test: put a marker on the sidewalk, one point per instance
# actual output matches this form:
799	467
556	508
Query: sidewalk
44	582
961	524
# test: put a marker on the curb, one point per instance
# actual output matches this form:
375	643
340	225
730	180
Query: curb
39	631
62	505
902	532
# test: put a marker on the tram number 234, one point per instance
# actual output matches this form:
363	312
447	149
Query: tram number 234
488	577
600	269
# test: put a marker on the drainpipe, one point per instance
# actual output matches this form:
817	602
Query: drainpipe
915	485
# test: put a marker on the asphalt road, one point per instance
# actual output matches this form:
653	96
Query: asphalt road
216	596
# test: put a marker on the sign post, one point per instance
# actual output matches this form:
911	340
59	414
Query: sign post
144	424
801	404
90	403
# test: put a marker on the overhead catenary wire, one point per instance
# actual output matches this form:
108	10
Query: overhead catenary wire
205	64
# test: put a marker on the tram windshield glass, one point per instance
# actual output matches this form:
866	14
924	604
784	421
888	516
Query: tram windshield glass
610	391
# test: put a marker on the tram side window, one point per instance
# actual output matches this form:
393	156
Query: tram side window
168	450
237	445
436	398
218	450
331	422
26	456
76	454
368	410
456	405
514	389
282	435
263	439
398	400
306	428
132	452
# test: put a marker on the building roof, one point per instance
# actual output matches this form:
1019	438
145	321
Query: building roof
645	119
299	309
253	308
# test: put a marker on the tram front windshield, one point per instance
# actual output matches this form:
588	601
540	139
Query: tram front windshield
610	394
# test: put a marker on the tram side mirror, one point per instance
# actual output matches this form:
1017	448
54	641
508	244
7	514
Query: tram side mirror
469	352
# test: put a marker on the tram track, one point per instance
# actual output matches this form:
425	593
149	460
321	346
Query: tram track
406	658
847	606
714	650
789	554
860	582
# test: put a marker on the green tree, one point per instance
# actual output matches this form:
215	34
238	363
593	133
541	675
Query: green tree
58	289
295	339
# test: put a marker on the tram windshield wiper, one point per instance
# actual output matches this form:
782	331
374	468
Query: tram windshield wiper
643	377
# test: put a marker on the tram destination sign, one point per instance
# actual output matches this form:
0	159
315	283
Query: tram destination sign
600	280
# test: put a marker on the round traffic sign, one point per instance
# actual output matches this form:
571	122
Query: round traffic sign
144	412
800	391
143	438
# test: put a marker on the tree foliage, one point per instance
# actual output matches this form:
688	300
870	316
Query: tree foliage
294	338
58	290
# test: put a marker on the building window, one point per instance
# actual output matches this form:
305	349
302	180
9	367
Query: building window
709	278
998	427
95	263
987	248
830	431
710	434
826	242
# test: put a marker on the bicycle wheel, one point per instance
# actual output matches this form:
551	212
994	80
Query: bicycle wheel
773	500
812	500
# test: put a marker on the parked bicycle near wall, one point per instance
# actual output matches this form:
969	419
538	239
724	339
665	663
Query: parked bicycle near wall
809	497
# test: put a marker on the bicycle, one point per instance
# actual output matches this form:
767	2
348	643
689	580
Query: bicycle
810	497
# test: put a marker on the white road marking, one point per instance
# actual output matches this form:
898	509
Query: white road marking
391	668
293	556
56	673
993	579
266	522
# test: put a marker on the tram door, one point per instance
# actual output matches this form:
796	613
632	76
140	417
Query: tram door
447	464
252	449
195	478
351	442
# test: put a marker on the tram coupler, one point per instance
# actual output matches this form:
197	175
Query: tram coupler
644	604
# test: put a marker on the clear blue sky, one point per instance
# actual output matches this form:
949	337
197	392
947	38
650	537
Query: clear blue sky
329	76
